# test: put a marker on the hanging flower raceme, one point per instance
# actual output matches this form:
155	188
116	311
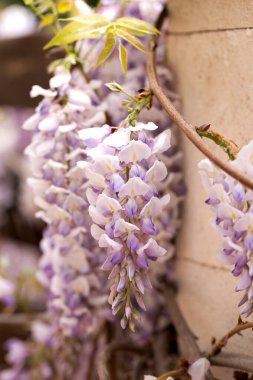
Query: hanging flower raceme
233	208
123	172
69	264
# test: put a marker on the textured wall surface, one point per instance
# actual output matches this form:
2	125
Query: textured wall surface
210	48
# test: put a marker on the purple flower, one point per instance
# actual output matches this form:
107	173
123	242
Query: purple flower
124	220
233	220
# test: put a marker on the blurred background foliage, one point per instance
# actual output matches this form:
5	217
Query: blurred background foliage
3	3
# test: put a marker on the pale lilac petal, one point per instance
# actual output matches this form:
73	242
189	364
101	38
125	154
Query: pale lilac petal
245	281
39	91
32	122
157	172
244	223
105	164
134	187
148	226
198	369
117	257
248	241
132	242
123	227
107	204
118	139
91	196
131	208
79	98
152	250
162	142
116	183
92	136
134	152
154	207
106	242
59	80
97	217
96	231
141	126
142	261
225	211
48	124
96	180
67	127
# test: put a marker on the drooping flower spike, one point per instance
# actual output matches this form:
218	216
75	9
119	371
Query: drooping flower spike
69	263
123	172
232	205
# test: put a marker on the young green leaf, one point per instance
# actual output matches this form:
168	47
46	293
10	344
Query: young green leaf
123	57
107	50
93	18
64	6
114	86
73	32
47	20
130	39
136	26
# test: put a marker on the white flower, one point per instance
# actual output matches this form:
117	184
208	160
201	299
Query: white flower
198	369
135	151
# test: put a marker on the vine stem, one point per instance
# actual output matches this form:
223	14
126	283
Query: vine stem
223	341
235	361
185	127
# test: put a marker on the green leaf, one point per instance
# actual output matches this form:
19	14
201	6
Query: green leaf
130	39
107	50
75	31
136	26
47	20
114	86
93	18
64	6
123	58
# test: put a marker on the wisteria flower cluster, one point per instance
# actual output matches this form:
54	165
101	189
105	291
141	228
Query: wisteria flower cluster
109	197
69	261
124	205
233	208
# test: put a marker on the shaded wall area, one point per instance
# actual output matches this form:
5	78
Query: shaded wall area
210	48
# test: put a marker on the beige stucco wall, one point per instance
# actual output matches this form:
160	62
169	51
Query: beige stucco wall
210	48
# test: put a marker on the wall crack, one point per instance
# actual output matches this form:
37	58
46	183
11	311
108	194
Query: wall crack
221	30
202	264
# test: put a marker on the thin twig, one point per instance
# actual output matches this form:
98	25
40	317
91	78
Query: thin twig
235	361
185	127
223	341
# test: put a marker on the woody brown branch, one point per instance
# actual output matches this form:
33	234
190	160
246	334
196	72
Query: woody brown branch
185	127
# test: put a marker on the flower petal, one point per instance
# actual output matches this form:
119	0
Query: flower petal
134	152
